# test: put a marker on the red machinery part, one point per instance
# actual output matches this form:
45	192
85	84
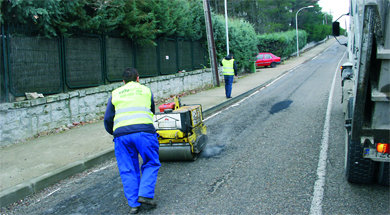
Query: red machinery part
167	106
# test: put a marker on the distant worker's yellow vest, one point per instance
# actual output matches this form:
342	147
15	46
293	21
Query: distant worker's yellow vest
228	68
132	104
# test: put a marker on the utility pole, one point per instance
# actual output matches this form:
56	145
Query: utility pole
210	42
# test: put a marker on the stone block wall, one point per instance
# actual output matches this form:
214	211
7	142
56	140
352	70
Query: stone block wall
25	119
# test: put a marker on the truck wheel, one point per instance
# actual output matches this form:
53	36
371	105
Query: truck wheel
358	169
273	64
384	174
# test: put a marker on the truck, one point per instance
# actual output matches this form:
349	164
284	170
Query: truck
365	81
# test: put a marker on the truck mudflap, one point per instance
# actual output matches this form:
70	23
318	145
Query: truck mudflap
358	169
384	174
367	167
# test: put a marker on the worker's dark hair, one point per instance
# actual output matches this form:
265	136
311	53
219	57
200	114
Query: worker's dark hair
130	74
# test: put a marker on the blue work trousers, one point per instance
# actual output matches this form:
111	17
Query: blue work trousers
228	85
127	148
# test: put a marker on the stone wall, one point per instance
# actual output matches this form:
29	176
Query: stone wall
25	119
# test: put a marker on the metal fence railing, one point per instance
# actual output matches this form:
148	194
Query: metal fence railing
33	64
53	65
120	54
83	61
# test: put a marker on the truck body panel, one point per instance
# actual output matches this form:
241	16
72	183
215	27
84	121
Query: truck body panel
366	92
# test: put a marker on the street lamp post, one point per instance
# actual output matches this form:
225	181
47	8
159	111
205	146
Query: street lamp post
226	27
296	26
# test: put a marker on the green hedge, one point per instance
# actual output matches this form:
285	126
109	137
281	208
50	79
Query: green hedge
318	32
242	40
282	44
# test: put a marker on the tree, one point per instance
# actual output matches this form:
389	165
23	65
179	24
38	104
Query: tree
277	15
35	14
139	22
196	20
105	15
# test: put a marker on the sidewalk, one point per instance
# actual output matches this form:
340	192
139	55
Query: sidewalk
29	167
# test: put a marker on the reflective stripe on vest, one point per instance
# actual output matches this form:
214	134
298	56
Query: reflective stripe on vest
228	67
132	104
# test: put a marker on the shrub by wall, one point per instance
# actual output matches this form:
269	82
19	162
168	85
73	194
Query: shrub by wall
282	44
242	40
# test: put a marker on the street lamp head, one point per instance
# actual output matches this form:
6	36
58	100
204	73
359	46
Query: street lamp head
310	6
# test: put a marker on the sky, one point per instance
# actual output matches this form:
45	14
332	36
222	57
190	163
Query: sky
336	8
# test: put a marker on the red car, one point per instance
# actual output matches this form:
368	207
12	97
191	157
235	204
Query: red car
267	59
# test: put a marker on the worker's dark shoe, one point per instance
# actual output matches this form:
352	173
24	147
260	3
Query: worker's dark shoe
134	210
148	201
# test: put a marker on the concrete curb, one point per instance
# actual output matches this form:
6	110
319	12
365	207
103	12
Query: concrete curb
33	186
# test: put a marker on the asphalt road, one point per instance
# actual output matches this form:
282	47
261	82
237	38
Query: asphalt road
263	157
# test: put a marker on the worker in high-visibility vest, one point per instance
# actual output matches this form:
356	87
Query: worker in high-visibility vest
129	118
229	70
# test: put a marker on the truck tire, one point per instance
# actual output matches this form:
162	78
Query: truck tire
384	174
358	169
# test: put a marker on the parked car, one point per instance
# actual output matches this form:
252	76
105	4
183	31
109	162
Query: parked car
267	59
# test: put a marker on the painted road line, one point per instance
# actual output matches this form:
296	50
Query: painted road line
318	193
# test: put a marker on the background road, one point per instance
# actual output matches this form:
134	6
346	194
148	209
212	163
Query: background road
262	158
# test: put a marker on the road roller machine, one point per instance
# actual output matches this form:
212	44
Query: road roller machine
182	134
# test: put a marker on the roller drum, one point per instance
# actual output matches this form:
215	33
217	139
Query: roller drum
176	153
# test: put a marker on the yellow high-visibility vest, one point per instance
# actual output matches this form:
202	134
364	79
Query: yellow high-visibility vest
132	104
228	67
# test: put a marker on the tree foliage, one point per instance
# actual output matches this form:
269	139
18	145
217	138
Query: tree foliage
269	16
144	21
36	14
141	20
